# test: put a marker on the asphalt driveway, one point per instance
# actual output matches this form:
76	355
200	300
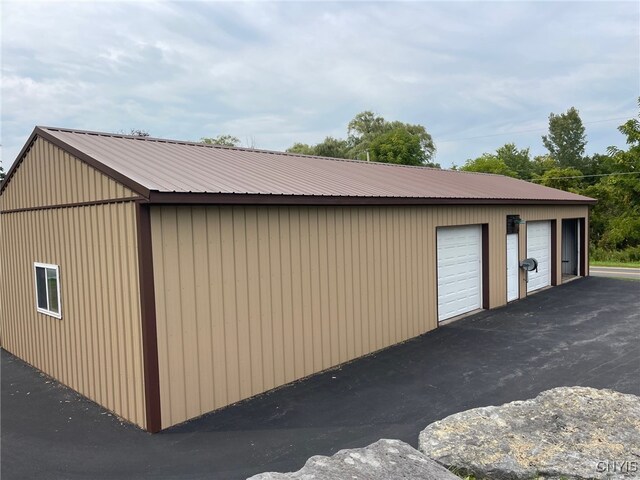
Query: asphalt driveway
584	333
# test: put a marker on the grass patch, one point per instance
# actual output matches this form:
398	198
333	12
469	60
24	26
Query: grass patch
611	263
629	257
462	473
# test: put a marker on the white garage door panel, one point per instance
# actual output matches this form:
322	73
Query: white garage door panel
539	247
513	273
459	270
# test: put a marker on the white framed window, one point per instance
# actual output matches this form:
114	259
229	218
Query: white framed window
47	280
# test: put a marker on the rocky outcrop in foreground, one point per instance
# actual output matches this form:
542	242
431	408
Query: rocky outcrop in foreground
383	460
567	432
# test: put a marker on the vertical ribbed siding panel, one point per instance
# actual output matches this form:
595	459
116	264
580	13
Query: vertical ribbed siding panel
253	288
375	272
202	305
285	261
348	281
341	299
297	294
96	251
305	313
264	288
385	312
46	164
314	299
396	253
186	265
216	303
241	294
323	264
250	298
332	290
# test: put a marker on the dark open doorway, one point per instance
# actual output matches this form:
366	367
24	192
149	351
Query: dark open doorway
570	249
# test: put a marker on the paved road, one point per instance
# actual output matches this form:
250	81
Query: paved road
615	272
582	333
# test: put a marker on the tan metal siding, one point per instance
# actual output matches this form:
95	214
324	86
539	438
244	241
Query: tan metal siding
96	347
547	213
250	298
50	176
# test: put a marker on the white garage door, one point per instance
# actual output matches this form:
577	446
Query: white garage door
539	247
459	270
513	268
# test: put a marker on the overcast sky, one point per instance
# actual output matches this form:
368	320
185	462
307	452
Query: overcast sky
475	74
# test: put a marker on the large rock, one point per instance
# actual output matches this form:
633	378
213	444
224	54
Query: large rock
383	460
567	432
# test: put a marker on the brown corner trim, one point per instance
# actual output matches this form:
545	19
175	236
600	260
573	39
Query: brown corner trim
176	198
148	314
554	252
72	205
485	267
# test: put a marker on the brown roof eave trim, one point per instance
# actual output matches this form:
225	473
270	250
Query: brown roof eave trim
174	198
109	172
77	204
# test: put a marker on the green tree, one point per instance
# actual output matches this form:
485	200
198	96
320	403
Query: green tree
384	141
566	139
362	130
631	129
568	179
518	161
427	146
329	147
597	165
542	163
621	232
1	173
366	127
397	146
224	140
507	160
332	147
615	219
488	163
302	148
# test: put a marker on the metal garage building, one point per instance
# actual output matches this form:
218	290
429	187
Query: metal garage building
166	279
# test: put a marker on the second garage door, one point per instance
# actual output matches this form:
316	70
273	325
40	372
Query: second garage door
539	247
459	270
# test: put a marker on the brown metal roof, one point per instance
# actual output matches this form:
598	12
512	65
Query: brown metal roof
156	167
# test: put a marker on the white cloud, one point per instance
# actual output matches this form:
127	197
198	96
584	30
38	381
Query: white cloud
285	72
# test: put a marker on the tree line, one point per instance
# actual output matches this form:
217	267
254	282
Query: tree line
611	177
372	137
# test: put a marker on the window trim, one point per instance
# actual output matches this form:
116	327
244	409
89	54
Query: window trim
49	266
